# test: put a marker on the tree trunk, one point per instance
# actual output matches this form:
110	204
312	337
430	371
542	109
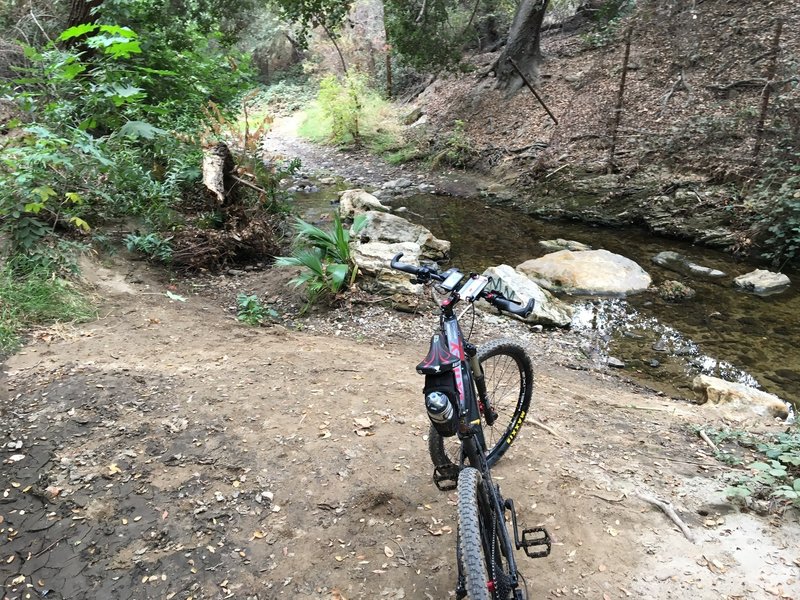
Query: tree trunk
522	46
80	12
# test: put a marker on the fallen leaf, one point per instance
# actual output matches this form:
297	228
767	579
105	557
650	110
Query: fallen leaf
337	595
601	568
113	469
612	532
257	535
388	552
177	297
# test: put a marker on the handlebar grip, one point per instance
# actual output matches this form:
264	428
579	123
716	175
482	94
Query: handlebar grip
515	308
405	267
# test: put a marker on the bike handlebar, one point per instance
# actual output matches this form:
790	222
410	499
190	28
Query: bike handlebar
509	306
496	299
422	273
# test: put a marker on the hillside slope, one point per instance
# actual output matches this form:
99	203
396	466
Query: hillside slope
686	140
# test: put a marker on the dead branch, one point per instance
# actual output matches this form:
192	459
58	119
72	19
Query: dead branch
250	185
613	500
772	69
668	510
704	436
541	425
533	91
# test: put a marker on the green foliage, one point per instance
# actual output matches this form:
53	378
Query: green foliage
607	18
324	257
777	198
342	104
32	295
249	310
152	245
458	150
423	32
775	476
307	14
349	112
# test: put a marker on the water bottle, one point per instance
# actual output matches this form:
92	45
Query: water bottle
441	413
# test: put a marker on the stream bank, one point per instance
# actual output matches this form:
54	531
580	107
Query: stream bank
662	344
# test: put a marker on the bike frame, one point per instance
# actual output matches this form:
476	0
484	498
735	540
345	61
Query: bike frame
472	402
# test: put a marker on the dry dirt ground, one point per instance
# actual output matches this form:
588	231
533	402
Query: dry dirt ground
167	451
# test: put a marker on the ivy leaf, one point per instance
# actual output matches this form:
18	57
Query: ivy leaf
796	484
77	31
34	207
74	197
125	32
124	49
140	129
759	466
80	223
44	192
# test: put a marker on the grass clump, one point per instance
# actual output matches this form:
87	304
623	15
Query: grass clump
35	297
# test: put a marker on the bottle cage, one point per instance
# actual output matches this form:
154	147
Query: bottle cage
439	359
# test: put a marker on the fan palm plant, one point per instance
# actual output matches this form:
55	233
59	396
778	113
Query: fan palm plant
324	257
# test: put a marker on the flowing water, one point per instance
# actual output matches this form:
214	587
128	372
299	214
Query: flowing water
721	331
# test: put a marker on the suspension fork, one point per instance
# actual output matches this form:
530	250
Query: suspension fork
489	413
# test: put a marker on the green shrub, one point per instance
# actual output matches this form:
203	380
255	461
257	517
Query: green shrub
776	477
249	310
152	245
458	150
777	201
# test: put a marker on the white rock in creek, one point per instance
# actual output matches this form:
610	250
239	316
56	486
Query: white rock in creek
680	264
593	272
391	229
547	309
738	402
562	244
356	202
762	282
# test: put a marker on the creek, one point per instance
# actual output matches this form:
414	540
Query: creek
722	331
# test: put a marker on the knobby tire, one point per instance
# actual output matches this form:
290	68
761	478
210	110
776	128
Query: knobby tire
477	537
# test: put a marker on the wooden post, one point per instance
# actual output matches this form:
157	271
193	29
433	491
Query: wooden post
620	97
389	85
765	93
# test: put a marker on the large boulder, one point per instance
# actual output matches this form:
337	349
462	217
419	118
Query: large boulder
356	202
391	229
377	277
593	272
738	402
680	264
762	282
547	309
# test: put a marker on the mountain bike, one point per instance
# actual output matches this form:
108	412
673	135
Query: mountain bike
479	398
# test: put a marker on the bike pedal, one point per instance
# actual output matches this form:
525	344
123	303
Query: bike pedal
445	477
536	538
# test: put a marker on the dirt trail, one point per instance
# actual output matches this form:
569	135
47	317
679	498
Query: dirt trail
170	452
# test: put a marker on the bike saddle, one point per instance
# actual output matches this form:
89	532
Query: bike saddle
439	359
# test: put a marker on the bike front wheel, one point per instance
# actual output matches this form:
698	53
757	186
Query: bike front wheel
508	377
482	564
